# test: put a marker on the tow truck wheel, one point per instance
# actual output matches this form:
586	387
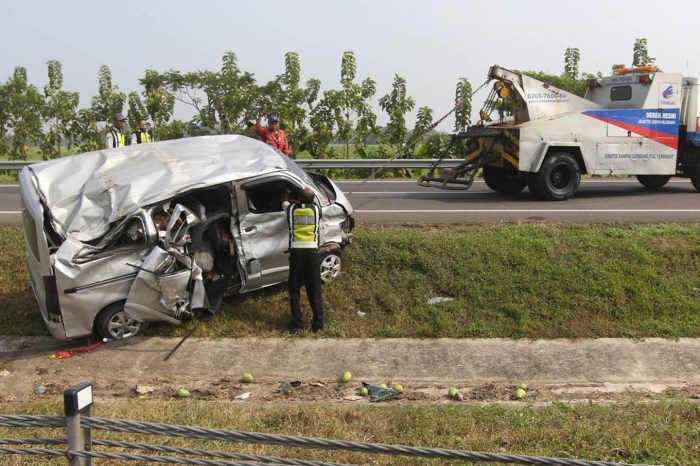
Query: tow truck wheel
331	265
696	178
653	181
112	322
558	178
500	181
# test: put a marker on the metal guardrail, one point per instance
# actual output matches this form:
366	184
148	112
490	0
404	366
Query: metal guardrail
325	163
79	451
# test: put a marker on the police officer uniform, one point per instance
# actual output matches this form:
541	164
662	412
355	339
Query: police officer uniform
304	263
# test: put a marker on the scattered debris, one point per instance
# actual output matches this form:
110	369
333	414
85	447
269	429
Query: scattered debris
5	373
695	396
40	390
352	398
317	384
380	393
81	349
143	389
440	299
361	314
287	387
242	396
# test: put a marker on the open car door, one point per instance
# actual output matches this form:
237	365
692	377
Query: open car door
169	284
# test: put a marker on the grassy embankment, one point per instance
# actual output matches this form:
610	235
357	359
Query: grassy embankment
512	281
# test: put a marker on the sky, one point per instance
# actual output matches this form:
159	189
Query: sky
430	44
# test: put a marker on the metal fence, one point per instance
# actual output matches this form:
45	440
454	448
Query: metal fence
325	163
80	447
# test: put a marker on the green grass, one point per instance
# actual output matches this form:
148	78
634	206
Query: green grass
512	281
651	433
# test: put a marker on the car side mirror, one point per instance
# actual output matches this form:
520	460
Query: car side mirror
181	220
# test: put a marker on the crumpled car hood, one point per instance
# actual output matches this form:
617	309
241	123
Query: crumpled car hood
86	192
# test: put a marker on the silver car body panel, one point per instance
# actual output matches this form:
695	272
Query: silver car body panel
89	226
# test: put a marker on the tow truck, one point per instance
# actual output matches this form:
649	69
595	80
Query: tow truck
639	121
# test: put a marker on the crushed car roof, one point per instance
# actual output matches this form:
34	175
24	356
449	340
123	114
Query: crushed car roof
86	192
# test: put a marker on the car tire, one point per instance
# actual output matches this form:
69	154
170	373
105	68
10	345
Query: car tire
558	178
653	181
331	264
500	181
112	322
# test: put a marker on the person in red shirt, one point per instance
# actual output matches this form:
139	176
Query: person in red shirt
272	135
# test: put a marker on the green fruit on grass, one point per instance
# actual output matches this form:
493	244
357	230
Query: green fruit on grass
183	393
522	386
364	391
382	385
519	393
398	387
346	377
247	378
452	392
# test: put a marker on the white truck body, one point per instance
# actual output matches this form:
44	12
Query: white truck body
640	121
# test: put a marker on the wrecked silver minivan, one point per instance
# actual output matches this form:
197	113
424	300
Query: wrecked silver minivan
158	232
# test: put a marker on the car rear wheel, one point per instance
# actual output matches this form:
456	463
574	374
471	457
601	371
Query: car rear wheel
558	178
331	265
112	322
695	179
653	181
501	181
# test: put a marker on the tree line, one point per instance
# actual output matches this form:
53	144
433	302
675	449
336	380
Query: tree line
227	100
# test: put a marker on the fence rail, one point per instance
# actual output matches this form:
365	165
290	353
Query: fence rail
324	163
79	443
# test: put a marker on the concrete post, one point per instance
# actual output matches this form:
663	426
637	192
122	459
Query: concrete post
77	401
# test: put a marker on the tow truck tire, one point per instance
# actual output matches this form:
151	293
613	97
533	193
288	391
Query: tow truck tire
331	265
558	178
112	322
653	181
695	179
500	181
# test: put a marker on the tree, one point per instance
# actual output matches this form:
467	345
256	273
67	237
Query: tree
59	112
397	103
109	100
463	105
137	110
641	54
23	107
159	103
572	56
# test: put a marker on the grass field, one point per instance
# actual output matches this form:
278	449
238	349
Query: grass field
635	432
512	281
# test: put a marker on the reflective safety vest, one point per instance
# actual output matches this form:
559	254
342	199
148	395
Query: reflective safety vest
303	226
142	137
118	138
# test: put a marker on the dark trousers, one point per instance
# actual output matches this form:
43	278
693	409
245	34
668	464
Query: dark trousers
305	268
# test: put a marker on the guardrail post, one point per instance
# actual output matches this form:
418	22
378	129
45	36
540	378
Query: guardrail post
77	402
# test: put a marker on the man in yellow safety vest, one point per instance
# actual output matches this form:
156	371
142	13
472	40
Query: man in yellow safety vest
114	137
304	263
141	136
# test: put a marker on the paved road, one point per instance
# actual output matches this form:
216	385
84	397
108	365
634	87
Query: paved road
598	201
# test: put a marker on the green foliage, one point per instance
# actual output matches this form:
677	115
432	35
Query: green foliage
463	102
641	54
572	56
397	103
21	118
137	110
59	112
159	103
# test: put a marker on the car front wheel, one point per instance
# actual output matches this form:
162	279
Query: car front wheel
112	322
331	265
